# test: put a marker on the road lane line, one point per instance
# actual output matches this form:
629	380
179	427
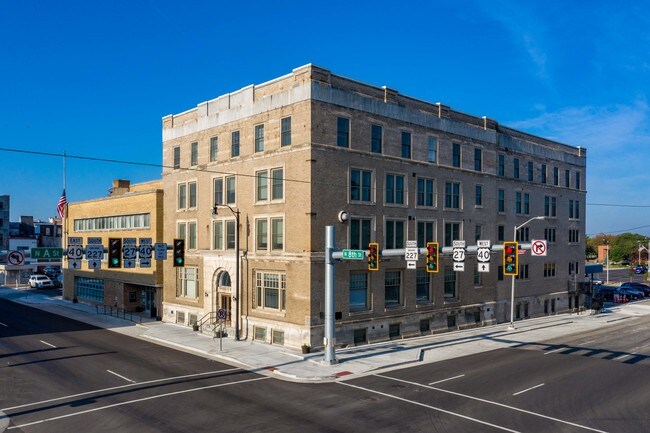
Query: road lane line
66	397
618	358
47	344
121	377
6	326
492	402
528	389
445	380
417	403
135	401
587	342
554	350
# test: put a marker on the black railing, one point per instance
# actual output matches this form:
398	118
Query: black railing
120	313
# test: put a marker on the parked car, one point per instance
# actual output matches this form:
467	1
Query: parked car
639	286
39	281
639	269
631	293
606	292
52	273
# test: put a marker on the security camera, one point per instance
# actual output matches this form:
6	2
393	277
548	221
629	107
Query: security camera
343	216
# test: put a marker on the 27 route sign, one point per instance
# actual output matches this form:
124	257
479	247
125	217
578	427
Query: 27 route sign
352	254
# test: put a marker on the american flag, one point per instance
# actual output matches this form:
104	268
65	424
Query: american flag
61	206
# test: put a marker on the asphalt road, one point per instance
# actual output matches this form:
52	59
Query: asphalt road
59	375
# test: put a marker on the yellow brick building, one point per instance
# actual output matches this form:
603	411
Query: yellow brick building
129	211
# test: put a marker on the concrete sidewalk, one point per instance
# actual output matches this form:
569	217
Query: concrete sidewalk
292	365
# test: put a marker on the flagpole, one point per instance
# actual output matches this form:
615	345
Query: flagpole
64	228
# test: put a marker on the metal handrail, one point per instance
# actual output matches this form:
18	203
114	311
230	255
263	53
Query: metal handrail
208	317
120	313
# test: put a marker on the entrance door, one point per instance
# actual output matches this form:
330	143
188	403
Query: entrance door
225	302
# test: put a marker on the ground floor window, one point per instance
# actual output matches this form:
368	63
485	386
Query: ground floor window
90	289
393	286
259	333
360	336
277	337
271	290
394	330
450	284
359	291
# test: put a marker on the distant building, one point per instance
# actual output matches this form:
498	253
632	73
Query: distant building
4	221
130	211
290	154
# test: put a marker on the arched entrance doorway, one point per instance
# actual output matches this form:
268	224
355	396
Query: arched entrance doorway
222	289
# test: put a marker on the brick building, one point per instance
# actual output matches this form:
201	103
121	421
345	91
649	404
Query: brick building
288	155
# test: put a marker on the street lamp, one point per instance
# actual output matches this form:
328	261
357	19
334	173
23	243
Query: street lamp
235	212
512	290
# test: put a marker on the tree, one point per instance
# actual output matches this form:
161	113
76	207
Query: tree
626	247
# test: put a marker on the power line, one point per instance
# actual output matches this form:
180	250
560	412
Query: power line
617	205
618	231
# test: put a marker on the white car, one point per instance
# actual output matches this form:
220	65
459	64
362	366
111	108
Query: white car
39	281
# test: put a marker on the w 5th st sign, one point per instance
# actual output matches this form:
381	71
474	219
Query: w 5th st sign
47	253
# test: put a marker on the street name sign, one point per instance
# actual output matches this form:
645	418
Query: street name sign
47	253
352	254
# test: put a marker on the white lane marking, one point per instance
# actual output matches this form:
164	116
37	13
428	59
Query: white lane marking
555	350
66	397
491	402
121	377
48	344
134	401
528	389
618	358
445	380
417	403
6	326
587	342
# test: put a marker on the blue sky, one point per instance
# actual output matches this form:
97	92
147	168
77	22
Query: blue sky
95	78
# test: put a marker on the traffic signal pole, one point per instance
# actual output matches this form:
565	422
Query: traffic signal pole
329	341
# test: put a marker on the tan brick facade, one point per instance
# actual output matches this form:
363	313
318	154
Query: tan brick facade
130	211
282	232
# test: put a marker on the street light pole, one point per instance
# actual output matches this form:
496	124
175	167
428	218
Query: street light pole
236	297
512	287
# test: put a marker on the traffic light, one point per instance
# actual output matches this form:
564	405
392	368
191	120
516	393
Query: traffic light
511	258
115	252
432	256
373	256
179	252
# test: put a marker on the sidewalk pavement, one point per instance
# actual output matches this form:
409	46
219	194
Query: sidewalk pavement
287	364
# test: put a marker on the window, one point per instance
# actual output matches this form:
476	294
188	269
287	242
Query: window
277	337
218	190
234	145
181	230
217	234
550	206
230	190
518	206
556	176
501	233
574	236
277	184
177	157
376	134
276	239
360	233
425	192
118	222
91	289
515	168
425	233
285	131
549	235
394	234
230	234
191	239
502	200
452	233
478	159
192	188
406	144
262	188
214	148
456	154
360	185
270	290
570	209
530	171
526	203
194	154
502	165
543	173
394	189
523	234
422	286
549	270
450	284
259	138
393	288
343	132
452	195
478	279
358	291
478	195
523	273
567	178
432	149
478	232
187	282
182	196
577	180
